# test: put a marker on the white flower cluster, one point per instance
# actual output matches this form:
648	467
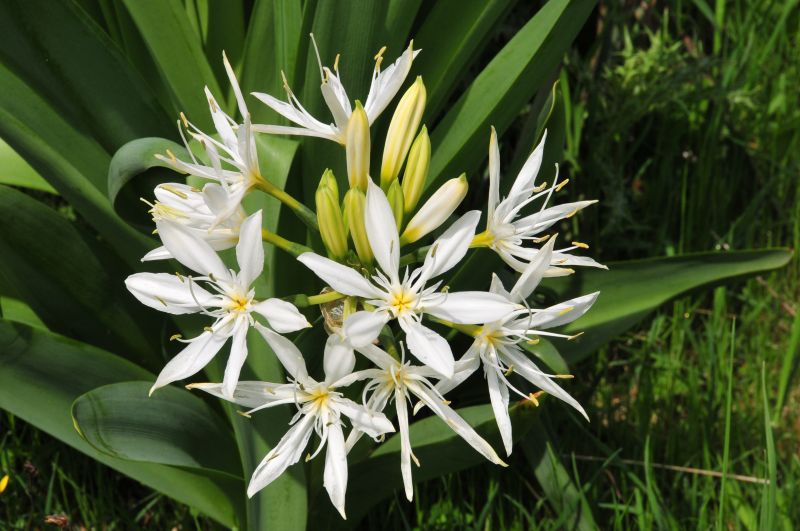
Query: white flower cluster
385	301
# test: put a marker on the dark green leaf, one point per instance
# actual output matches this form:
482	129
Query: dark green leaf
14	171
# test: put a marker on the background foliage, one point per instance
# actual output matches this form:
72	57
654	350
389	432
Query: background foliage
683	122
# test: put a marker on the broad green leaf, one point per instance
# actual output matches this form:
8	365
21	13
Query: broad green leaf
449	43
630	290
221	28
67	59
511	79
14	171
172	427
399	18
17	311
439	450
72	162
178	53
47	264
41	374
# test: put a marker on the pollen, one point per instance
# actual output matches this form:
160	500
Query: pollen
561	185
402	301
580	245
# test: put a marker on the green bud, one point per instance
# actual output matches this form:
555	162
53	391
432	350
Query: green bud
329	216
419	158
395	197
402	129
354	205
357	148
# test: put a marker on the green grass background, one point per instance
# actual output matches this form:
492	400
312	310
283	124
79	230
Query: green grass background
683	119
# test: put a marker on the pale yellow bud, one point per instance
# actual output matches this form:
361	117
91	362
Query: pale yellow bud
395	197
329	216
436	210
354	204
357	148
402	129
419	158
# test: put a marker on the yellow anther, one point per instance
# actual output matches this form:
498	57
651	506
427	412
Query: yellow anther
213	104
175	337
542	239
336	64
245	414
379	55
509	370
579	334
172	156
564	376
572	213
174	190
534	397
285	82
208	329
561	185
533	341
180	277
566	310
185	122
539	188
159	299
414	458
580	245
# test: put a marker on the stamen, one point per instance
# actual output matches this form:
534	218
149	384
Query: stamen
561	185
175	337
319	60
580	245
185	122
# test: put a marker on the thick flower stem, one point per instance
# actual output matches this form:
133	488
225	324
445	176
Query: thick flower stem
305	214
414	256
295	249
484	239
470	330
304	301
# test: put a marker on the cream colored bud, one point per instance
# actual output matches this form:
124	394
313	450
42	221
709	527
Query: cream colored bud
419	158
436	210
354	205
329	216
402	129
357	148
395	197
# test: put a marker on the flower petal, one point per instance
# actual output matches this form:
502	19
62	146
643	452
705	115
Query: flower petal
464	368
494	176
250	249
362	328
287	452
286	351
527	176
382	230
237	357
191	359
338	359
562	313
159	253
498	396
191	251
401	406
372	422
341	278
377	355
449	248
533	273
385	84
282	315
470	307
429	347
335	475
248	394
169	293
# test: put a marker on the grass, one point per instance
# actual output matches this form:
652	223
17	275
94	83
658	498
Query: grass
685	124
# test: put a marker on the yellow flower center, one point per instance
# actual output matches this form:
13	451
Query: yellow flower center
402	301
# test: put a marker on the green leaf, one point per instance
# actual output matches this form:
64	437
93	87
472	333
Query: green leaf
17	311
512	78
14	171
47	264
41	374
178	53
630	290
172	427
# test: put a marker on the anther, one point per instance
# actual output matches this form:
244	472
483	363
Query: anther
580	245
561	185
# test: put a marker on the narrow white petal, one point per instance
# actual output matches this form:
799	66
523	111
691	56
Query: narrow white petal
387	83
249	394
191	251
168	293
464	368
287	452
237	357
341	278
338	359
405	443
498	288
235	85
471	307
562	313
382	230
159	253
250	249
451	247
498	396
335	475
327	133
286	351
377	355
372	422
533	273
362	328
455	422
494	176
429	347
282	316
191	359
546	218
527	175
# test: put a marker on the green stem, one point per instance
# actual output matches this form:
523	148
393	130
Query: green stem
305	214
470	330
414	256
304	301
295	249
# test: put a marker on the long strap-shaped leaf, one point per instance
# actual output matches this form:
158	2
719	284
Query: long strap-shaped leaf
40	376
509	81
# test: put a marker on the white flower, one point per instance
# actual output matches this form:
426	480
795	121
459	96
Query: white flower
496	344
401	382
408	299
506	233
384	86
199	212
320	409
236	149
230	300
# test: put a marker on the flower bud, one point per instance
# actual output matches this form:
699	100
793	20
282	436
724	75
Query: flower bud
395	197
402	129
436	210
354	204
357	148
329	216
419	158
